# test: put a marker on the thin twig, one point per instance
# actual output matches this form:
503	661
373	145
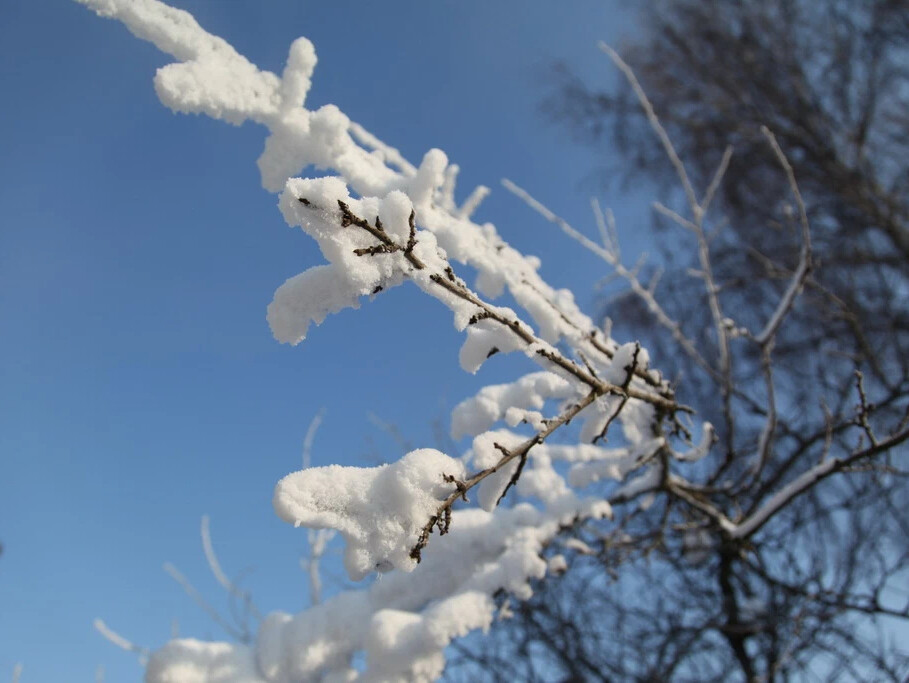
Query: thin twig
462	487
231	587
656	125
206	607
610	257
541	352
717	179
121	642
864	409
804	267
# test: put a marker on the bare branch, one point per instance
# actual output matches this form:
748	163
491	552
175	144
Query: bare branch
611	258
808	480
717	178
804	267
657	127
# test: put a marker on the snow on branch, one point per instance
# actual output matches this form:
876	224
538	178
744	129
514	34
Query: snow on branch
380	222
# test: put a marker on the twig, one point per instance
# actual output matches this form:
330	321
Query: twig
864	409
541	351
215	566
765	441
804	267
606	225
192	592
696	225
611	258
656	125
717	178
121	642
615	413
677	487
442	518
807	480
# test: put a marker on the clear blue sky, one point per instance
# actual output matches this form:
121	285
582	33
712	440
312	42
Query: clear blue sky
139	384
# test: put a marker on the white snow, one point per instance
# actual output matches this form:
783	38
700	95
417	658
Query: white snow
378	510
702	448
475	415
557	565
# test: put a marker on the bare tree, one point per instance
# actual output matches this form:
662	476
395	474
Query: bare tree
830	79
782	306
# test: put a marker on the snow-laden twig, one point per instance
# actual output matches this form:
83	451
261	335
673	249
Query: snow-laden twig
420	269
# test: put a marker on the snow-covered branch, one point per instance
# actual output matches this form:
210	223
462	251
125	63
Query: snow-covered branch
380	222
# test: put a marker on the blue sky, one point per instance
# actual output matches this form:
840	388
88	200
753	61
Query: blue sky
141	387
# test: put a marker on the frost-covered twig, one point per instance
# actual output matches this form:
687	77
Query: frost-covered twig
231	587
240	634
318	538
121	642
310	437
511	325
442	518
318	542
